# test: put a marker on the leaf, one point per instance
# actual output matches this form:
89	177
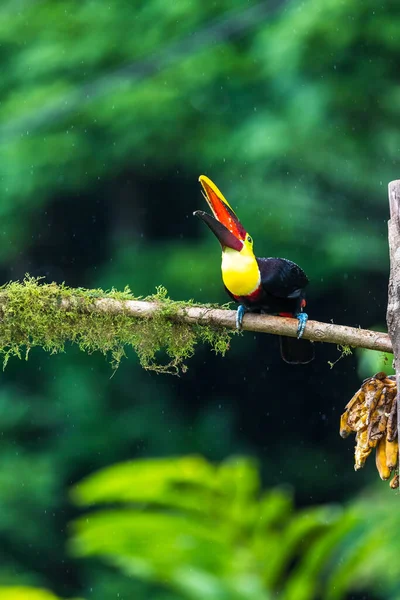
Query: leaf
26	593
206	531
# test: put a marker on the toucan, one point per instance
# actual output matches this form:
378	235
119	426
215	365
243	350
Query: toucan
264	285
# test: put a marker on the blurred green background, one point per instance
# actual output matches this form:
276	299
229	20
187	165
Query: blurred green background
109	112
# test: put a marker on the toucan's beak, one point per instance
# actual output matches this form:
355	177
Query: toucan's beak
224	236
224	224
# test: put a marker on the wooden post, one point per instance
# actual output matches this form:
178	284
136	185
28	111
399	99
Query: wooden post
393	309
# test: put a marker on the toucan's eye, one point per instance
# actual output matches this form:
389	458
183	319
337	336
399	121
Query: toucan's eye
249	239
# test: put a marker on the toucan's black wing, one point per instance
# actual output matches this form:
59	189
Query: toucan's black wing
281	277
283	283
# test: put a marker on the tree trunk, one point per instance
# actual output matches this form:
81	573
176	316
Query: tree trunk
393	310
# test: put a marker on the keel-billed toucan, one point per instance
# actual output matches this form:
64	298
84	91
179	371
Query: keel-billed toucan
268	285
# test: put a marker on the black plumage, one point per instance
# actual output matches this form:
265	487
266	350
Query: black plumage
281	292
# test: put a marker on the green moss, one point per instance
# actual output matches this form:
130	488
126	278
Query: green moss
344	350
51	315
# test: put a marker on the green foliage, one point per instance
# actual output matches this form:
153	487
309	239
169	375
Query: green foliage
34	315
370	362
264	118
208	532
26	593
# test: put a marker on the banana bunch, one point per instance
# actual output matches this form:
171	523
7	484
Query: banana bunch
372	415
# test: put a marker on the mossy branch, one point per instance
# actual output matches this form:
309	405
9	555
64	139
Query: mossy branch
50	315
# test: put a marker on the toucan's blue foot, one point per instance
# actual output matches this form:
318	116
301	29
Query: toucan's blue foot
303	318
239	316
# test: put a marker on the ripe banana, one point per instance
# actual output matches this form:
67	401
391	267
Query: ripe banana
372	415
380	460
394	484
392	453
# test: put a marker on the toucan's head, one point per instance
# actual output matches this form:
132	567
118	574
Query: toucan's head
224	223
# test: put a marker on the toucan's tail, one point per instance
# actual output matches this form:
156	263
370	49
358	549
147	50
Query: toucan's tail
297	352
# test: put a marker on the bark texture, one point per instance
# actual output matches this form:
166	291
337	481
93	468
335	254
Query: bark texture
315	330
393	310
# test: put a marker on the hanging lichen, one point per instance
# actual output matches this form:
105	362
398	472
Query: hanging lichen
35	314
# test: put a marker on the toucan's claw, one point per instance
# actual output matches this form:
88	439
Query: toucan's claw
303	318
239	316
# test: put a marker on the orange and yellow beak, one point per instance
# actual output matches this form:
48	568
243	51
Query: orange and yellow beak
224	223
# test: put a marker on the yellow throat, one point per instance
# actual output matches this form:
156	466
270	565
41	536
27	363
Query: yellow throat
240	272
